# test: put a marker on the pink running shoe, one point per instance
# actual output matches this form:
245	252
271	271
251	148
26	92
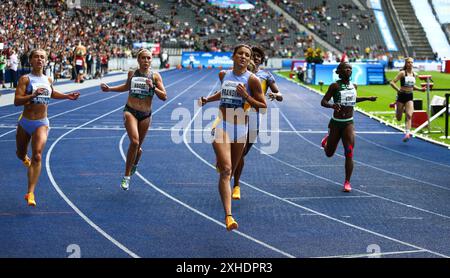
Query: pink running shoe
406	138
347	187
324	141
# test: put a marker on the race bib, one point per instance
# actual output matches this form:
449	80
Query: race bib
139	86
410	81
348	97
45	95
79	62
229	95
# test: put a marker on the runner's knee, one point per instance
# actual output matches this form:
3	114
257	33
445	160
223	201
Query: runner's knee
37	157
225	172
134	143
349	151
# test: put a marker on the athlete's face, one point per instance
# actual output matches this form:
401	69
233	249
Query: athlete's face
346	71
257	58
145	59
38	59
409	63
242	57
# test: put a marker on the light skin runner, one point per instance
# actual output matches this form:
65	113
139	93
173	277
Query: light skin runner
142	85
34	91
404	102
239	87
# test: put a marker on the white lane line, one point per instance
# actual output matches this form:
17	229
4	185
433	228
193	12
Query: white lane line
376	144
65	100
369	255
402	153
362	163
326	197
191	208
354	189
89	104
311	210
68	201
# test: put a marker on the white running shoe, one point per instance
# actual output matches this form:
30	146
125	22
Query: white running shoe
125	184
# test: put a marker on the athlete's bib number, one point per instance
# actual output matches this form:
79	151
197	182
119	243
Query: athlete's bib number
410	81
139	86
348	97
45	93
79	62
229	94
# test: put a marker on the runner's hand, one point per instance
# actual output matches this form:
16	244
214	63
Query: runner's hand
104	87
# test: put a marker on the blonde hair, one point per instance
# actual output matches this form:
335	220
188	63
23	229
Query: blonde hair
142	51
36	50
406	60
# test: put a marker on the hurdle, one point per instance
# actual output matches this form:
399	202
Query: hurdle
427	124
447	96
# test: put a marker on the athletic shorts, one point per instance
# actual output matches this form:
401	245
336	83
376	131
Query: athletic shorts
139	115
404	97
30	126
341	125
236	132
79	69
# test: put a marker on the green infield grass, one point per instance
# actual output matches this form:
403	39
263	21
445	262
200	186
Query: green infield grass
386	95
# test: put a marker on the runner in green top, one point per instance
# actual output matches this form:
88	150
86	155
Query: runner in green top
340	127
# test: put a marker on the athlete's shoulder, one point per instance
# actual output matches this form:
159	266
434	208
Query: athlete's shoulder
253	76
335	85
222	74
156	75
24	78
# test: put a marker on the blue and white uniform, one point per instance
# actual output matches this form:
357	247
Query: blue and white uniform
229	98
266	78
36	82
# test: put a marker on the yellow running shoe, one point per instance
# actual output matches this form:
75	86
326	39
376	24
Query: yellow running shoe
30	199
230	223
27	162
236	193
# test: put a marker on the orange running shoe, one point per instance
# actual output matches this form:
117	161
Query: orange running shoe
29	197
27	162
230	223
236	193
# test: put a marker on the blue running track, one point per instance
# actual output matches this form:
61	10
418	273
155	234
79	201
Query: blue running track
291	206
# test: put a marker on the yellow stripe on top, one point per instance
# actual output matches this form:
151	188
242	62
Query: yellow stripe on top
216	122
264	85
247	108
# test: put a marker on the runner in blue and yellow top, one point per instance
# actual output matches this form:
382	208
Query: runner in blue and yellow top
340	127
240	90
34	92
267	81
142	85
